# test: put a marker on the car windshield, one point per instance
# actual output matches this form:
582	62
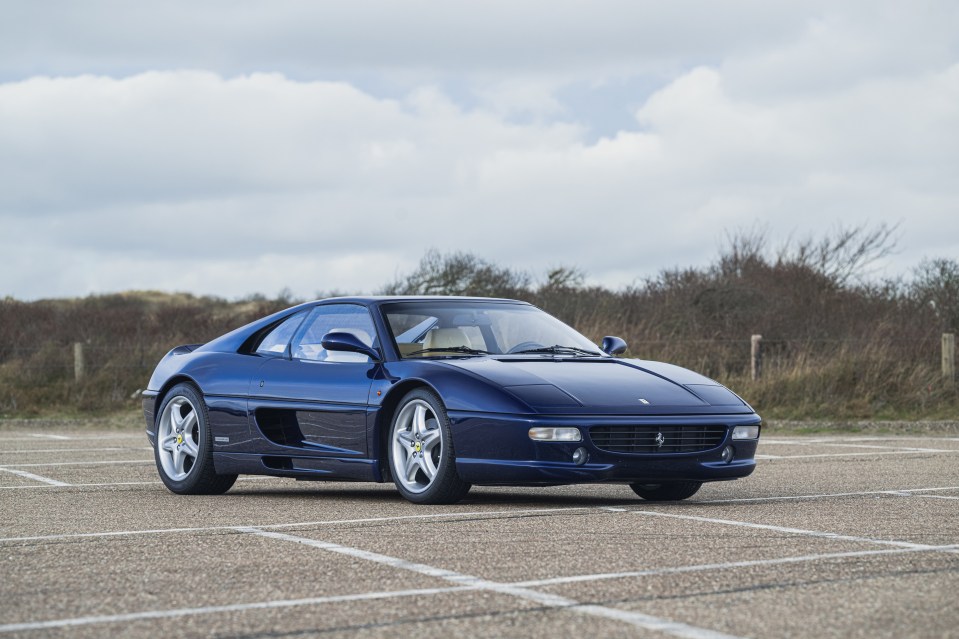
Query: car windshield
463	329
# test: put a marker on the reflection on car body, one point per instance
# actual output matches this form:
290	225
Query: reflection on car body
436	394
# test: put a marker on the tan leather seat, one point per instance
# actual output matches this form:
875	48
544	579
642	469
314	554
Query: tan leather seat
446	337
412	347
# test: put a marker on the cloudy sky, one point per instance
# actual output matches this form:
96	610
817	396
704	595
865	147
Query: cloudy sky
236	147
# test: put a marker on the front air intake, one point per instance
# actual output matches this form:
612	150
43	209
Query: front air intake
651	439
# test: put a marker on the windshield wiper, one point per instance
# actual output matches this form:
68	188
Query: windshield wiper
559	350
466	350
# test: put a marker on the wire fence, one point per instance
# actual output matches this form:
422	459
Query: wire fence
824	378
753	353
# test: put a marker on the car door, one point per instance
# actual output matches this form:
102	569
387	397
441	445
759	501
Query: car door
316	400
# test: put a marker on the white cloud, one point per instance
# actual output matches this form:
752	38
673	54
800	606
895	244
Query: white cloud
419	38
228	183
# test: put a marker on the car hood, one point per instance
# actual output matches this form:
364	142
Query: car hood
605	386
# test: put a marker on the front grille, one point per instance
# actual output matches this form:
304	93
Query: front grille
643	439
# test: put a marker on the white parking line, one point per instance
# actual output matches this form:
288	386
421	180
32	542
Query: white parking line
907	492
73	450
726	566
80	463
186	612
62	485
839	438
637	619
40	478
289	603
491	513
33	437
891	452
798	531
132	483
329	522
900	448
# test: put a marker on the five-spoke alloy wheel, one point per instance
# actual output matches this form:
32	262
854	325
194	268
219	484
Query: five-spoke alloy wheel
184	447
178	433
421	451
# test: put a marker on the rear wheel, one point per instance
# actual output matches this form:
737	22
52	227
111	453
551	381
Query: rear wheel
421	451
184	445
667	491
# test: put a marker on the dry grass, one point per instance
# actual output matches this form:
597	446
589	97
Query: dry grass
835	347
826	379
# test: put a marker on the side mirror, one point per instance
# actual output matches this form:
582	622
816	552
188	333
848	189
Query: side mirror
341	341
613	345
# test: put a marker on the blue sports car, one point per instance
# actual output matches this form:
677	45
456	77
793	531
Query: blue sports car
436	394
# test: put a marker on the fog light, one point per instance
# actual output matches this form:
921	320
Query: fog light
728	454
553	434
746	432
580	456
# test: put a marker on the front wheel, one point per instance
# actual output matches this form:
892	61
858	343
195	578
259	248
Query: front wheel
421	451
184	445
669	491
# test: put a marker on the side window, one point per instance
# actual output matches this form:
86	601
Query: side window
278	339
342	318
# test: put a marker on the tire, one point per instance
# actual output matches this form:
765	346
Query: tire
420	448
184	445
668	491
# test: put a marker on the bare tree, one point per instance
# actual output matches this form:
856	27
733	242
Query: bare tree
936	285
458	273
845	255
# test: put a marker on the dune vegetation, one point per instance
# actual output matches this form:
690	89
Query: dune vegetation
838	343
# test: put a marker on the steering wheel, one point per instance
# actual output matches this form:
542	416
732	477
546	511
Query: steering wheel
523	346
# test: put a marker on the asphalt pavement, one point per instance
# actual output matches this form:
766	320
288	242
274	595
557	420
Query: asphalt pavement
832	536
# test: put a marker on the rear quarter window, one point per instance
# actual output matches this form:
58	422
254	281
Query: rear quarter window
277	341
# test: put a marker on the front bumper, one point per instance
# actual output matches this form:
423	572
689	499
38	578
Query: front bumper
496	449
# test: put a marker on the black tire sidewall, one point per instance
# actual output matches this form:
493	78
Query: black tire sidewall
446	487
204	459
667	491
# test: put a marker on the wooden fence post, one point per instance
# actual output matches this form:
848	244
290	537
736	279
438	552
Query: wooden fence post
756	357
949	357
78	364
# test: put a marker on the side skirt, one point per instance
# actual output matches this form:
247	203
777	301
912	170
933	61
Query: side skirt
321	468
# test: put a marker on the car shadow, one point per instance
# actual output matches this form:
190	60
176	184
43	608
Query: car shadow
478	496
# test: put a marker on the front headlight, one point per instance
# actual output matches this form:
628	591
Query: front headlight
555	434
746	432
